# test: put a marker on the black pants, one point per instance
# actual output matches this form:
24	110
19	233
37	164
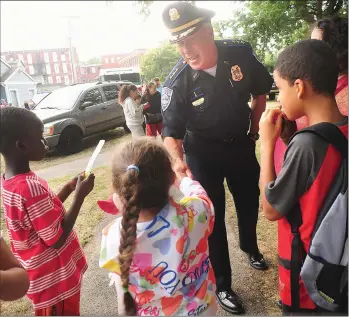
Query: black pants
211	162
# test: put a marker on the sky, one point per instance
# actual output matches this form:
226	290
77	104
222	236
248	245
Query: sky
97	27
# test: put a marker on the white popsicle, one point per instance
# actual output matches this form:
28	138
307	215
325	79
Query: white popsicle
94	156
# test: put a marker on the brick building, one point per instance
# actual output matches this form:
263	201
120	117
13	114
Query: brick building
133	59
47	66
90	73
111	60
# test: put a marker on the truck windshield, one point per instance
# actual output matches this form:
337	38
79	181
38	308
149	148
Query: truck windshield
63	98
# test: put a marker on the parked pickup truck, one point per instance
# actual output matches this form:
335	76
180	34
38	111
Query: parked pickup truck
72	113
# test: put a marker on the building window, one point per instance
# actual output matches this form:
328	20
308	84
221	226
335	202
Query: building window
112	60
66	80
65	69
50	81
31	70
20	57
63	57
54	56
46	57
93	70
82	71
29	58
106	60
57	69
31	93
58	79
48	69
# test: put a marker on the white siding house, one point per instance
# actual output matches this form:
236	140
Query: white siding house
17	86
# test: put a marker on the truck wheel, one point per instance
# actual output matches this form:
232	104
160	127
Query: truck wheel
272	96
70	141
127	130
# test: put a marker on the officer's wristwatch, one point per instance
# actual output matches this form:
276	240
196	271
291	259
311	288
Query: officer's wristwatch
253	136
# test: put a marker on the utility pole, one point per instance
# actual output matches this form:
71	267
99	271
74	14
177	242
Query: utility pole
71	53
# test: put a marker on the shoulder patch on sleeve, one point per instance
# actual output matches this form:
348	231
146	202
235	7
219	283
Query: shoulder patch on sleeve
166	96
175	72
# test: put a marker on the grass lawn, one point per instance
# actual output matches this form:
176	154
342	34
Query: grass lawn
89	217
111	138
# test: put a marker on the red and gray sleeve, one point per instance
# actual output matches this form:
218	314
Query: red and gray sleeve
303	160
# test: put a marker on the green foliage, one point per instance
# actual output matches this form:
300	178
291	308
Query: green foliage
92	60
143	7
271	25
158	62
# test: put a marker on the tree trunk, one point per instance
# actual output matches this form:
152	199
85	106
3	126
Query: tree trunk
319	9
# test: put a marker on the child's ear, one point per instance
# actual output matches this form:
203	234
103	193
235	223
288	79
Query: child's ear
21	146
300	87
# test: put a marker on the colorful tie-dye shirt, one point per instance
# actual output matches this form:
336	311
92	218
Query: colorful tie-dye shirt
171	273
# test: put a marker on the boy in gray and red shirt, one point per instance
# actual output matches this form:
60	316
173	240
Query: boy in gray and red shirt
306	74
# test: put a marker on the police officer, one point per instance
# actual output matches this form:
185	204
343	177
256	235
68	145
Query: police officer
206	113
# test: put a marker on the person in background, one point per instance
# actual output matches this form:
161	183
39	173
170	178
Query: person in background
153	117
3	103
157	250
40	230
133	112
156	80
14	279
334	32
26	105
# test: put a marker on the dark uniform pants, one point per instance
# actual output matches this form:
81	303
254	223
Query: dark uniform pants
211	162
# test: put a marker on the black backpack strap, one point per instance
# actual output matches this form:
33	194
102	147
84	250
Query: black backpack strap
298	254
331	133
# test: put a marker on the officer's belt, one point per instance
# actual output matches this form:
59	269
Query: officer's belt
229	140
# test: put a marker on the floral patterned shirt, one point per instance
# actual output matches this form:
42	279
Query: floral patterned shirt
171	273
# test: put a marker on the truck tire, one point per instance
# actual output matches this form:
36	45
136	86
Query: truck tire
70	141
272	96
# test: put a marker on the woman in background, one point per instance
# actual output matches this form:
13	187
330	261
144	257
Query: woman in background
153	117
133	112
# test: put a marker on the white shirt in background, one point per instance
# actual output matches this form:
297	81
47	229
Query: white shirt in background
133	112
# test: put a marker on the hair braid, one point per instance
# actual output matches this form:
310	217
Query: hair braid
126	249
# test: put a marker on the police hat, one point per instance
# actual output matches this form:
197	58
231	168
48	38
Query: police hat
183	19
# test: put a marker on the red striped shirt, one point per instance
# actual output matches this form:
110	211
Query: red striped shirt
33	217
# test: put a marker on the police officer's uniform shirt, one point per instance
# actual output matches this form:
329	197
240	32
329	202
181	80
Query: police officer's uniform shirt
214	107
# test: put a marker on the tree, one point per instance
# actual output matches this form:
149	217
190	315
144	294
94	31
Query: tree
271	25
158	62
92	60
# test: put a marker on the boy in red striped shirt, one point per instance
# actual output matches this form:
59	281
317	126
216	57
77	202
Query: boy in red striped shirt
40	230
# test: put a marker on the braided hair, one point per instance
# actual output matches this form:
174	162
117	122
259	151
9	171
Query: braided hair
335	34
145	186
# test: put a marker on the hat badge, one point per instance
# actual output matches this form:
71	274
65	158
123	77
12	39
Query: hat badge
174	15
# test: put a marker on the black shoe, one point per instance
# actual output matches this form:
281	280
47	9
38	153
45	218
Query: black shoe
230	302
257	261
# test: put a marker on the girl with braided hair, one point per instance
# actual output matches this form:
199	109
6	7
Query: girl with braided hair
157	250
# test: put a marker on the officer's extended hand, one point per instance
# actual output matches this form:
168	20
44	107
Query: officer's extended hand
181	169
270	126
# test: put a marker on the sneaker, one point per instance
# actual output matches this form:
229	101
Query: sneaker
257	261
230	302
